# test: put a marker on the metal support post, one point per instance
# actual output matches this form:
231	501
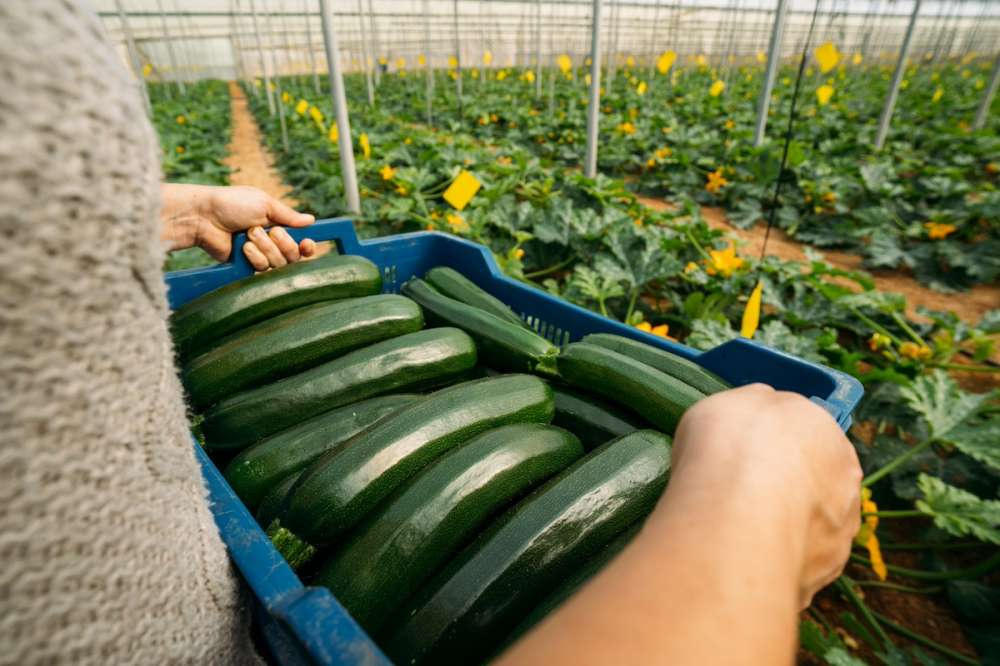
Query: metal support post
346	145
594	107
773	56
897	78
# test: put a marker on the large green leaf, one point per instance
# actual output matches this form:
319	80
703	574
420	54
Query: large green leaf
942	404
958	512
978	438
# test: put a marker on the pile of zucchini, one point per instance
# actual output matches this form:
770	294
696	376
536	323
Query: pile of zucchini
449	474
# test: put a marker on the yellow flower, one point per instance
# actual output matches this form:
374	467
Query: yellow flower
401	191
435	215
638	221
315	114
716	181
366	147
662	330
830	197
302	107
334	133
179	149
430	227
483	120
730	124
992	168
939	231
501	75
421	59
879	341
761	57
717	87
387	172
723	262
915	351
457	222
518	253
147	69
285	97
827	56
400	63
626	128
503	160
487	57
691	267
529	76
701	61
938	94
866	534
823	94
651	162
180	119
407	141
663	153
633	113
494	118
565	63
641	88
667	130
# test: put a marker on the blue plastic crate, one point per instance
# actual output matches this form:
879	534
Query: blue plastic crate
298	622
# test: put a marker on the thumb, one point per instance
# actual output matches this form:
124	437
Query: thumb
279	213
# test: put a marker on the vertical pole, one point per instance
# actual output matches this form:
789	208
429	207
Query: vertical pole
375	48
170	47
309	44
594	107
773	56
897	79
367	62
458	58
612	42
988	95
427	62
133	53
538	48
263	60
348	172
277	94
652	42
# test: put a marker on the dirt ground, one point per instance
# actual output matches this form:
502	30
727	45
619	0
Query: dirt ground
970	305
250	160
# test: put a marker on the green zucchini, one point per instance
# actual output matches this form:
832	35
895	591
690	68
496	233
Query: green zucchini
570	585
340	489
467	610
218	313
453	284
687	371
270	506
654	395
408	362
255	470
593	421
438	512
296	341
502	344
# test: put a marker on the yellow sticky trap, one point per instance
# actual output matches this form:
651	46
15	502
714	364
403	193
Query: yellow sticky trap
827	56
751	315
421	59
461	191
452	62
665	61
487	57
565	63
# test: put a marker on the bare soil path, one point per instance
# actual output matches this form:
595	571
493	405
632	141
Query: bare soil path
248	157
970	305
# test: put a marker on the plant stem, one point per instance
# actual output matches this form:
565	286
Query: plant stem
901	588
923	640
975	571
964	545
909	513
966	368
551	269
631	304
875	325
697	245
906	327
845	583
901	459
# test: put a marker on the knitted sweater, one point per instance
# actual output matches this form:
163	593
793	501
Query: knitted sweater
108	550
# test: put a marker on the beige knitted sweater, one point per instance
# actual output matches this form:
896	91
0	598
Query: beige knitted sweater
108	551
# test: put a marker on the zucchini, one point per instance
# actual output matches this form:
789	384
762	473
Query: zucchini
341	488
270	506
656	396
687	371
502	344
254	471
296	341
593	421
467	610
218	313
409	362
453	284
438	512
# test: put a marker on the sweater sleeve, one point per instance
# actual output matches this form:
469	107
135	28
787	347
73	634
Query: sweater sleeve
110	553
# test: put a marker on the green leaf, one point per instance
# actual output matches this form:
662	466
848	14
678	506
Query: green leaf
776	334
958	512
978	438
942	404
813	640
708	333
839	656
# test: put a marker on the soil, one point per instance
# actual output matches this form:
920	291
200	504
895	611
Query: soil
970	305
252	164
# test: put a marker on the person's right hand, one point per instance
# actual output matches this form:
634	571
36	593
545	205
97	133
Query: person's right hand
793	462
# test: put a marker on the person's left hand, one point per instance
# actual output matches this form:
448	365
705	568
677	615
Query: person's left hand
207	217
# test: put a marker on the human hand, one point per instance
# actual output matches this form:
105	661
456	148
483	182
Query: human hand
207	217
793	464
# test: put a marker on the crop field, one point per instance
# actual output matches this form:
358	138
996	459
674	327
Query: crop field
922	586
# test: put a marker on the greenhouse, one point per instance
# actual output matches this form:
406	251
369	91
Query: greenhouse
612	331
